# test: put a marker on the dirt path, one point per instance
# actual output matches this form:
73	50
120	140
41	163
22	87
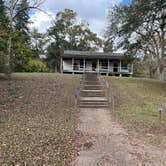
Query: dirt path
108	144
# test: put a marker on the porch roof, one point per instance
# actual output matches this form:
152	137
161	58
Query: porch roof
91	55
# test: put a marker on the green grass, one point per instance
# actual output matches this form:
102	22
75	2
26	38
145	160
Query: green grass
37	125
136	103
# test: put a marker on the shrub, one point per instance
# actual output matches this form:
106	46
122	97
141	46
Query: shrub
36	66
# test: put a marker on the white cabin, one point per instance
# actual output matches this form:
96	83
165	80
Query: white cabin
97	62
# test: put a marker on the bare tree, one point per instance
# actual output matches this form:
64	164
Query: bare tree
143	21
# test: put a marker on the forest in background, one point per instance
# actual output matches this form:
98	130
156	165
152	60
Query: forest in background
138	28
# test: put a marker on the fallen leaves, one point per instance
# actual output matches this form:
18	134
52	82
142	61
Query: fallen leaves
38	126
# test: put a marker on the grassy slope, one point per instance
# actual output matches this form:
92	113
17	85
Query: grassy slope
137	101
37	119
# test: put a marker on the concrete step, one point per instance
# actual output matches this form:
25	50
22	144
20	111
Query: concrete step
91	77
92	90
93	87
93	103
93	106
91	82
92	93
92	99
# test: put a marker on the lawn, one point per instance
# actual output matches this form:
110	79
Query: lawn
136	103
37	125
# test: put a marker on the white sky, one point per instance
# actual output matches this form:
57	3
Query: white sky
95	12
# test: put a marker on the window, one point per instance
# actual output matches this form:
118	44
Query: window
81	63
104	64
124	66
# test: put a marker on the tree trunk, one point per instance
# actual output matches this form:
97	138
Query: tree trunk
161	73
8	64
163	58
8	60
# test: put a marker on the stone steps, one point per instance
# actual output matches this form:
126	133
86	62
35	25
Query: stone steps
92	94
97	99
93	87
93	103
91	82
94	106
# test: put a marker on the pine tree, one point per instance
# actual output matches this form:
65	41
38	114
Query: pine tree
18	37
22	51
22	19
3	17
3	35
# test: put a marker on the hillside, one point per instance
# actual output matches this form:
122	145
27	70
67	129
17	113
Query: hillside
137	101
38	116
37	119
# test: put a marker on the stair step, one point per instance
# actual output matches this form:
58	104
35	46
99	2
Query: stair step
93	90
93	106
93	102
96	104
93	87
92	93
91	83
93	99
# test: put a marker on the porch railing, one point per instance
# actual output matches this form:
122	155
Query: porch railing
102	69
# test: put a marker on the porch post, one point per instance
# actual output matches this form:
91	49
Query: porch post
108	67
132	69
61	65
120	69
61	60
84	65
98	65
72	65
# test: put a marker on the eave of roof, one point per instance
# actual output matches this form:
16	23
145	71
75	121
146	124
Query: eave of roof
91	55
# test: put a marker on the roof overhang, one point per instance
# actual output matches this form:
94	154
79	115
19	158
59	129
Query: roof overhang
91	55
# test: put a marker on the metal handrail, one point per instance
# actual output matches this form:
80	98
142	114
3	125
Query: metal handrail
78	89
109	92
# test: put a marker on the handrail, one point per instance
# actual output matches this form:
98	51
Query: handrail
76	96
77	92
78	89
109	92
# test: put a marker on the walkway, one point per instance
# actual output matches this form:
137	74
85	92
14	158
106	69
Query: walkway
105	143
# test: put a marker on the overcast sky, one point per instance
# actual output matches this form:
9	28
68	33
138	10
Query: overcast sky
93	11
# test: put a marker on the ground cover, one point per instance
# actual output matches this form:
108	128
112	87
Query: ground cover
37	125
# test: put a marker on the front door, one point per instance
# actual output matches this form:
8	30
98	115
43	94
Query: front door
94	65
115	67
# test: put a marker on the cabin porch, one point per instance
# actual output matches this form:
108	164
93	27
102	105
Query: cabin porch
102	66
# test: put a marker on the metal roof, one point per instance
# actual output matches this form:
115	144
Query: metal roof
90	54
